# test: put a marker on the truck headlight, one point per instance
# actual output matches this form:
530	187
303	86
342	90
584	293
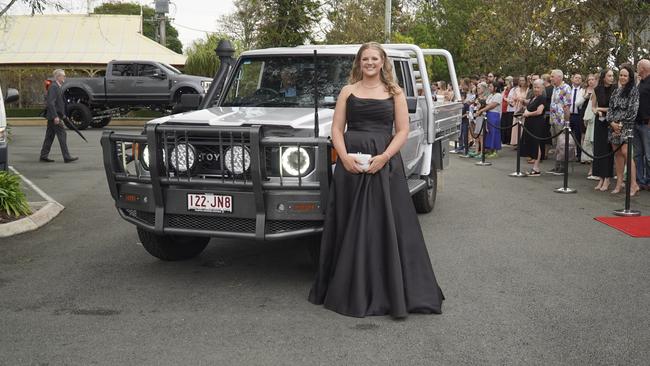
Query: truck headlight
295	161
3	134
144	157
183	157
237	159
206	85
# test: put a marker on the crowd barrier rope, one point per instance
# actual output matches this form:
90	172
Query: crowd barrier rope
568	134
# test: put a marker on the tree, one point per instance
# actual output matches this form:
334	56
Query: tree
244	23
355	21
201	56
619	29
287	23
149	27
360	21
574	35
36	6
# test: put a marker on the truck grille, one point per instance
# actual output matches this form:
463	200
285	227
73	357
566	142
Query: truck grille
234	224
278	226
211	223
225	156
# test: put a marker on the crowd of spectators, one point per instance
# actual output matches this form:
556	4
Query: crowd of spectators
600	109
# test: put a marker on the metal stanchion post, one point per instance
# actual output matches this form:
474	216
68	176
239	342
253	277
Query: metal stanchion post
483	162
628	186
518	173
565	188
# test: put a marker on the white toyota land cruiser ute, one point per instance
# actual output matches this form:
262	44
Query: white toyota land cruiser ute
256	162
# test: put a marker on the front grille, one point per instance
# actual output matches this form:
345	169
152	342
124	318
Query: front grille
211	223
279	226
147	217
211	152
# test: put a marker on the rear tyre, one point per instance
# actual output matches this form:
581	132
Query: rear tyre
425	199
80	115
101	123
172	247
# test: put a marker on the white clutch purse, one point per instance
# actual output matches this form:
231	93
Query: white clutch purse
363	160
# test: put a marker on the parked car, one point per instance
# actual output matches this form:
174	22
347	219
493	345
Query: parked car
257	162
12	96
127	85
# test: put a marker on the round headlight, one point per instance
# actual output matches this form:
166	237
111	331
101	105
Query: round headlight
295	161
237	159
182	157
144	157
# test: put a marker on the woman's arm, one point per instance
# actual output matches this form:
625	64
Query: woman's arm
594	103
399	139
537	112
338	127
488	107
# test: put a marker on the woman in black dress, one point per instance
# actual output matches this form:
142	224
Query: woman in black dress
534	123
621	116
374	260
602	168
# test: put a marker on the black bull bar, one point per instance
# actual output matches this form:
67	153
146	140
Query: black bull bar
161	180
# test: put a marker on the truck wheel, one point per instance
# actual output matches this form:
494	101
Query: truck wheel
80	115
425	199
172	248
101	123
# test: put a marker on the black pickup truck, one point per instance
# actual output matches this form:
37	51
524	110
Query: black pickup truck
128	85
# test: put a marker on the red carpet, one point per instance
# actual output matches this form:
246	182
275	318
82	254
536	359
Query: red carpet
638	227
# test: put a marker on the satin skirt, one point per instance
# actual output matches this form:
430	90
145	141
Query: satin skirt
373	257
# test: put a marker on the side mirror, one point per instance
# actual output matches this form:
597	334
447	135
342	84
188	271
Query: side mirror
12	95
412	104
158	74
190	102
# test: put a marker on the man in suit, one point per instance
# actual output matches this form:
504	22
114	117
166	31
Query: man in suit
55	114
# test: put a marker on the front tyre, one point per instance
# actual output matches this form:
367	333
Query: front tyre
80	115
425	199
172	247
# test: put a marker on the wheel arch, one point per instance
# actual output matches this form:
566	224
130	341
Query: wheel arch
183	88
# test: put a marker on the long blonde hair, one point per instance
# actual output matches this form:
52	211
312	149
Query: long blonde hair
385	74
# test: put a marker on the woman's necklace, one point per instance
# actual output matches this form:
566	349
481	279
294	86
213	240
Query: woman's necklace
371	87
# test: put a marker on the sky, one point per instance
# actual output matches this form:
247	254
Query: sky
192	18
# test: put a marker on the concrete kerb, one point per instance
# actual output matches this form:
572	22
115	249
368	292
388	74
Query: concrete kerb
42	212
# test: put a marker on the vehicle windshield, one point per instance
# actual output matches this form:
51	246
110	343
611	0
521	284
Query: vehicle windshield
171	68
287	81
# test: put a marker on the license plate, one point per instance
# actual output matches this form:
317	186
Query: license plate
207	202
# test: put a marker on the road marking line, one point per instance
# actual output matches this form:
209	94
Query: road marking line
44	195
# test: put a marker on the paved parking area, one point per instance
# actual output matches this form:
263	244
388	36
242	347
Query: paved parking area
530	279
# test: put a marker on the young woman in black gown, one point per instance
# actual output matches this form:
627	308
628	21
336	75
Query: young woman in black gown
534	123
603	168
374	260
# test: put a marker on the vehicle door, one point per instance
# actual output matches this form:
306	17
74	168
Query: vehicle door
120	84
152	84
411	151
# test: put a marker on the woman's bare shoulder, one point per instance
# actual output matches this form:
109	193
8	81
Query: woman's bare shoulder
347	90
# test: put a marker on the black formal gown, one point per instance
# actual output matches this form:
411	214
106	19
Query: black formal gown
374	260
603	167
536	125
